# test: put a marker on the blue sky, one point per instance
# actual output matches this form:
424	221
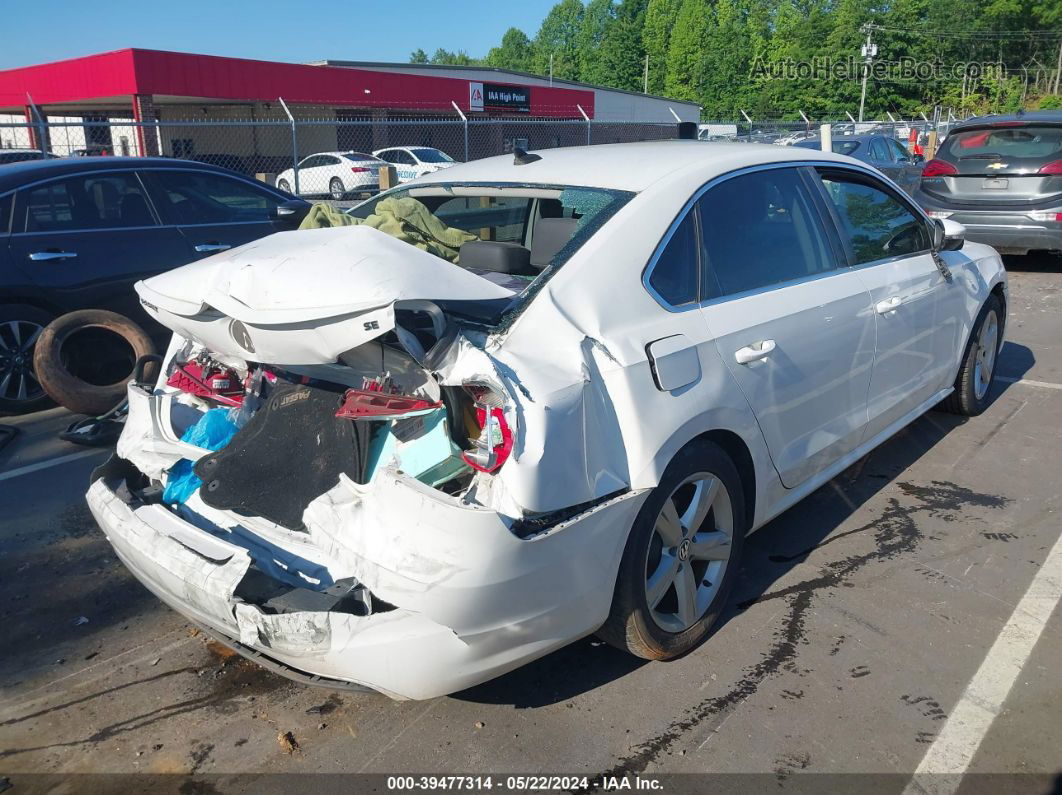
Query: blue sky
279	30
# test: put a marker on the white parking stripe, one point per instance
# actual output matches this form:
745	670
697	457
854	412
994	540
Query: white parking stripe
51	462
1028	382
942	768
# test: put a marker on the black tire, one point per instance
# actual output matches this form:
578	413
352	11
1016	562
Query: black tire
20	329
85	359
631	625
283	185
971	395
336	189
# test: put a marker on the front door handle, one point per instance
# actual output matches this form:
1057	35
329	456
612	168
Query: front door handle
44	256
888	305
204	248
754	352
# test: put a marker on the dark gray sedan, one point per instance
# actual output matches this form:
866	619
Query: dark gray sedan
883	152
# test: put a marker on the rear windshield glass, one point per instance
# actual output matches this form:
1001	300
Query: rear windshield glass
513	235
359	156
432	156
839	147
1041	143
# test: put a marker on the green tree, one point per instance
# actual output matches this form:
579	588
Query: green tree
598	17
418	56
660	17
513	53
447	58
559	36
685	52
622	52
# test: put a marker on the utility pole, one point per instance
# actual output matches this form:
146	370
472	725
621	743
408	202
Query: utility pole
551	70
645	89
869	50
1058	68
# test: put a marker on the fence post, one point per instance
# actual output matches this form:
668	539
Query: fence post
294	145
42	133
587	118
464	120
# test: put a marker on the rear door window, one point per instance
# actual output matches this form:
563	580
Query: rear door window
878	151
89	201
877	223
199	197
760	229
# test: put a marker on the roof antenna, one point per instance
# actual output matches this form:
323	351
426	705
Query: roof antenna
522	158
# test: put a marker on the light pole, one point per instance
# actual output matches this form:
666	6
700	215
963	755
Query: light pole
869	50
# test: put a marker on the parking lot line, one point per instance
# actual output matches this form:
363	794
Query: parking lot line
1028	382
947	759
51	462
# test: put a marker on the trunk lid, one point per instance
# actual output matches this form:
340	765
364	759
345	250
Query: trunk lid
305	297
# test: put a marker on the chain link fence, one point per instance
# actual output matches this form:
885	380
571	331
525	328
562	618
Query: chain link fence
329	153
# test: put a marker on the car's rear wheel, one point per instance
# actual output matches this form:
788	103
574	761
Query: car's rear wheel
20	327
970	397
335	187
681	557
284	185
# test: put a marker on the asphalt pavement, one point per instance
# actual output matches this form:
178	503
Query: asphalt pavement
871	628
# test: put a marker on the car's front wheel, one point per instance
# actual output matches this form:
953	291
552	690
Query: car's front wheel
970	397
335	187
284	185
20	326
681	557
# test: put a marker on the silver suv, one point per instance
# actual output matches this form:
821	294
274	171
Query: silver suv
1001	178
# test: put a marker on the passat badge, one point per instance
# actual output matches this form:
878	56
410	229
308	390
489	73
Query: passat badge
239	333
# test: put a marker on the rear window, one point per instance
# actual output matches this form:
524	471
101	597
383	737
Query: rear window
358	157
1034	142
839	147
432	156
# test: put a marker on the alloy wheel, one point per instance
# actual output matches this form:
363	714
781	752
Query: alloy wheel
336	188
18	382
688	552
985	358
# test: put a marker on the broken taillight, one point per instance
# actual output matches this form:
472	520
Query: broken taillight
219	384
372	404
495	442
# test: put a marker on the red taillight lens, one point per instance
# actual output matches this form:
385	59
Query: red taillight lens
365	404
359	170
938	168
495	441
1052	168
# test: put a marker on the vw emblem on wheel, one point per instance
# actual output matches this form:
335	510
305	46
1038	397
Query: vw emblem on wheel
241	336
684	549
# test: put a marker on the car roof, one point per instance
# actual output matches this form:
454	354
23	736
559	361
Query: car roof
1028	117
341	153
14	175
630	166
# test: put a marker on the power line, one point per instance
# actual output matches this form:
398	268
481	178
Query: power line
987	35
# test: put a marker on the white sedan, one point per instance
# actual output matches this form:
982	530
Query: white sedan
411	162
555	407
334	174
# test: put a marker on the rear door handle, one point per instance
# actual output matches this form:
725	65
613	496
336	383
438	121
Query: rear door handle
44	256
754	352
203	248
888	305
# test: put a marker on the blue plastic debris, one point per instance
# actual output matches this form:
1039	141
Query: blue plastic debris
213	431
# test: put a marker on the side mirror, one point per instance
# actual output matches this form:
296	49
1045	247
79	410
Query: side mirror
948	235
289	214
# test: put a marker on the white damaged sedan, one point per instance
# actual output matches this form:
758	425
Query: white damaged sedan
549	397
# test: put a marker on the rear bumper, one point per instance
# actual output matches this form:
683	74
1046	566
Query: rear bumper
472	601
1008	231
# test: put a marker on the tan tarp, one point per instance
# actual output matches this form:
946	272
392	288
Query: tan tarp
407	219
